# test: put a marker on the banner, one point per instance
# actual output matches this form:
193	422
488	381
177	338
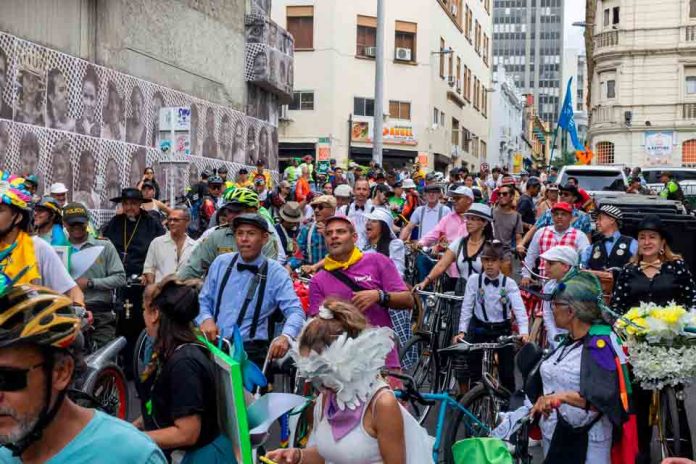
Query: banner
658	148
393	133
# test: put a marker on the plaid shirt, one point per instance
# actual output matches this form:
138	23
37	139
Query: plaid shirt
549	240
311	246
581	221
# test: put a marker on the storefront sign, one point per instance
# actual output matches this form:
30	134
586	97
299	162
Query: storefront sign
516	163
423	159
393	133
323	154
658	148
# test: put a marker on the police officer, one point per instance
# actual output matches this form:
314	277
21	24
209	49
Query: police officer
612	250
672	190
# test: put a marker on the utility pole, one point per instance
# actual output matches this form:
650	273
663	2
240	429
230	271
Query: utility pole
379	86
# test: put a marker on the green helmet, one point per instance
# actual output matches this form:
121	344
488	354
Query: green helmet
242	196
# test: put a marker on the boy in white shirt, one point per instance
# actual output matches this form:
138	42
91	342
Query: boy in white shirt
489	301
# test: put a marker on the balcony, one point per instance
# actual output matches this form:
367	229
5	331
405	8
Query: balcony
603	114
606	39
688	110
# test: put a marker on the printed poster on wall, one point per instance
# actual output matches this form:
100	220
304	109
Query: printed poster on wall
658	147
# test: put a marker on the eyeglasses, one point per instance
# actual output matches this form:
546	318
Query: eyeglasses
318	207
175	219
14	379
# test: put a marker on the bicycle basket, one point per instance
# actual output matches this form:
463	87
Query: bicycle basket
483	450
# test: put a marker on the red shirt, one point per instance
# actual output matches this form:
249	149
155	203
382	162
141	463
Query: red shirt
584	198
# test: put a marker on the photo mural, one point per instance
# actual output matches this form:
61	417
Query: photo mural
96	129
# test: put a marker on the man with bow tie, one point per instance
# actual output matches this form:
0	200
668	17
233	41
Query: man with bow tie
613	250
245	289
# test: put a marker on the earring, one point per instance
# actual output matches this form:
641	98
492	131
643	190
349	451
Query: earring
662	251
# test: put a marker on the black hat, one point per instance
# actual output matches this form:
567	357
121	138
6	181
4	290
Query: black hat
130	193
397	184
149	184
243	171
532	181
433	188
654	222
252	219
222	170
75	213
570	188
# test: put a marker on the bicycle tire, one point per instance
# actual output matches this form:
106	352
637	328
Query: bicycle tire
459	426
423	373
675	439
141	357
108	385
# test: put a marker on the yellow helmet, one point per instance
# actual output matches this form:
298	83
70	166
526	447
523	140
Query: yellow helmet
37	315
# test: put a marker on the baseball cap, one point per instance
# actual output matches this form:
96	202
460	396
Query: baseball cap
462	190
75	213
252	219
563	206
562	254
342	191
58	187
324	200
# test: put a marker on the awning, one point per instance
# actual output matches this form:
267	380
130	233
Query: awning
296	150
366	152
540	135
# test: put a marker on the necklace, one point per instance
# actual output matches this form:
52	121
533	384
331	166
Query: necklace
566	350
127	242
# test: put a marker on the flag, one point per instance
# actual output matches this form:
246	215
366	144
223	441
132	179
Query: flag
566	120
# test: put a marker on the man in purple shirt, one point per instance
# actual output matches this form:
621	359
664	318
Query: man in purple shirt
371	281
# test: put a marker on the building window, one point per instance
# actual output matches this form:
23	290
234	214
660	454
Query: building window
442	58
366	37
607	83
611	88
459	74
450	66
692	8
691	85
442	118
605	153
607	13
363	106
300	22
400	110
689	153
615	16
302	101
477	38
405	41
455	132
436	115
484	148
467	83
468	23
466	139
484	102
485	49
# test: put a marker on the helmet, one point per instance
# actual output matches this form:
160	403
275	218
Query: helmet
217	180
50	204
243	196
32	179
37	315
13	191
222	170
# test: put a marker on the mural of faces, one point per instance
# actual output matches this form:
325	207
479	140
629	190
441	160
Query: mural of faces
87	124
155	107
62	167
136	132
194	130
260	7
30	95
264	144
226	137
113	126
252	149
57	100
238	155
193	174
28	154
5	107
88	171
210	146
256	32
137	166
4	142
260	66
113	183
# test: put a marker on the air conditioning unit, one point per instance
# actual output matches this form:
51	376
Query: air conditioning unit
451	80
370	51
403	54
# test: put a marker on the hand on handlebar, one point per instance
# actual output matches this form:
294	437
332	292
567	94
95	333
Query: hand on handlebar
279	347
521	250
525	282
547	403
210	330
459	337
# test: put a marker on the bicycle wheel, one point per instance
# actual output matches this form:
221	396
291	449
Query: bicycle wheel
423	373
673	427
141	356
108	386
483	405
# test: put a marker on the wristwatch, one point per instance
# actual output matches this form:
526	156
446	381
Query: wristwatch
90	284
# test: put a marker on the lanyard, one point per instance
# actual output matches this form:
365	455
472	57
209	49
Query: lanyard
126	243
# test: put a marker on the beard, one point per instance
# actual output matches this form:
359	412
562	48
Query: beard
25	424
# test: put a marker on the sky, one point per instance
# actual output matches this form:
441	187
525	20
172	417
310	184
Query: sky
572	35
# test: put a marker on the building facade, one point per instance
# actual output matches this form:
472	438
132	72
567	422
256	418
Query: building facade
643	108
437	79
507	112
528	41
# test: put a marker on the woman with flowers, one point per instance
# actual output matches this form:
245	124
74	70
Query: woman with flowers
585	402
658	276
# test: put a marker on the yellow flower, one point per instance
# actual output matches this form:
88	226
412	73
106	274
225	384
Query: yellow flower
633	313
670	315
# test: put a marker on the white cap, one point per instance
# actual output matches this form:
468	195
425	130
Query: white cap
408	184
480	210
342	191
59	188
462	190
381	214
562	254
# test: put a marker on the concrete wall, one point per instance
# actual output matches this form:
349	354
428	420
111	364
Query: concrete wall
196	47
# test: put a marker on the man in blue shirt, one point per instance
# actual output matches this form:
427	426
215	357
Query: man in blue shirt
245	289
311	245
613	250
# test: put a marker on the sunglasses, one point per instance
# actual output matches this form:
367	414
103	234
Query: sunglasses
14	379
505	194
318	207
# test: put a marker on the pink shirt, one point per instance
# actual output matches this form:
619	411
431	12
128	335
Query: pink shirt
452	227
374	271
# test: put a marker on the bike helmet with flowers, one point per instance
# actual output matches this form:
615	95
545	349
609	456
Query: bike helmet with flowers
33	315
13	191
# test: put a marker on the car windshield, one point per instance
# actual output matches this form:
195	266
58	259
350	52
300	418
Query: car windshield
653	177
595	181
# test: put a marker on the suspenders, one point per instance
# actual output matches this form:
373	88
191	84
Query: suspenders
483	302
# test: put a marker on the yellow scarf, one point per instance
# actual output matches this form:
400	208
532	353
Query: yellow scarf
22	256
331	264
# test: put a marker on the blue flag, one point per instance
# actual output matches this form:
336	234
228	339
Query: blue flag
566	120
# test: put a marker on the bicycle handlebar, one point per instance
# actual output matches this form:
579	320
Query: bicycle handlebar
409	390
465	347
440	295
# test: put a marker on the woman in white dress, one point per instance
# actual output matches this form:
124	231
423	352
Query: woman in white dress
357	420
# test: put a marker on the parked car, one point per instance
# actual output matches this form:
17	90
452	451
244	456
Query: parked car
596	180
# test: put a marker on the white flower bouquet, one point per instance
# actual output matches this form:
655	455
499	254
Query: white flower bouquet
660	351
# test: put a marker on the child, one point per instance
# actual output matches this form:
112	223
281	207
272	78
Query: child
489	300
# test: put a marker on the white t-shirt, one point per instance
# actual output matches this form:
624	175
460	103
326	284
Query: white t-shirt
465	268
54	275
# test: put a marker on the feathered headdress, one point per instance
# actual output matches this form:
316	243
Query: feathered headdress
349	366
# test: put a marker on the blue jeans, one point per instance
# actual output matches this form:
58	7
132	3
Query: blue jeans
423	266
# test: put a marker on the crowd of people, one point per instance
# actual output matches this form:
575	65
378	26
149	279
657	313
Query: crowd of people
225	259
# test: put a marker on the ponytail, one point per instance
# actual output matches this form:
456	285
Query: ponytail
335	318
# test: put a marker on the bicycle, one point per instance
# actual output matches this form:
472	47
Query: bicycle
431	373
485	399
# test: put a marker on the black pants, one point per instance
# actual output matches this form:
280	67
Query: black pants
257	351
129	324
468	367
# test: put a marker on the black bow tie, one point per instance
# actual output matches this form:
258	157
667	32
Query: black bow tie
608	239
492	282
248	267
359	208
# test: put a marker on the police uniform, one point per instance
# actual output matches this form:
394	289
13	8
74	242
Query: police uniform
218	242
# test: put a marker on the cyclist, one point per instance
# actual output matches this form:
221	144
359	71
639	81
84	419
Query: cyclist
559	261
177	412
311	245
245	288
38	330
489	302
359	207
613	250
103	277
48	223
23	257
222	240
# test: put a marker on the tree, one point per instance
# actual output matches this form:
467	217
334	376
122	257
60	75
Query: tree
567	159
